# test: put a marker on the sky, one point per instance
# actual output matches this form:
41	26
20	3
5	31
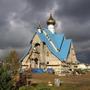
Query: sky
19	19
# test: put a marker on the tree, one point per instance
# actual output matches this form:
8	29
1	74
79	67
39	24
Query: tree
5	79
12	62
12	65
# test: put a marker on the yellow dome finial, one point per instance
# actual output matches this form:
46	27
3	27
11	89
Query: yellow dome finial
51	20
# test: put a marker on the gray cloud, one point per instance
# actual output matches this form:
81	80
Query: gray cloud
74	15
78	32
18	19
74	9
41	5
84	56
14	31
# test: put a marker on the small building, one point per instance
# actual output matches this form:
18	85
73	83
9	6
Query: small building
49	49
88	67
81	66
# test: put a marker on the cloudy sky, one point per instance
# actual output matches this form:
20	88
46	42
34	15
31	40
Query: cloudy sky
19	18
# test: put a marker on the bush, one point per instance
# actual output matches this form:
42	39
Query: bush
5	79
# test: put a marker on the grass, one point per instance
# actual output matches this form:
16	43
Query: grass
80	82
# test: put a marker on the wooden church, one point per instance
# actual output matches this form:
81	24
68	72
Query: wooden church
49	49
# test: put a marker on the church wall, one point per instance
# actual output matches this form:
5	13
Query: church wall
72	56
25	63
36	39
46	58
39	55
52	61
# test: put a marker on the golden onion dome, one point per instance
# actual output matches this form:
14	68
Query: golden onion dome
51	20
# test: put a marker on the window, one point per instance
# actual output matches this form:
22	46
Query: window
47	62
37	44
44	43
36	60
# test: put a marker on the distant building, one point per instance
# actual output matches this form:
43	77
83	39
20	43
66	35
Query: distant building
49	49
88	67
81	66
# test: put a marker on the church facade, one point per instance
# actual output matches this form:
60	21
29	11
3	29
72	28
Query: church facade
49	49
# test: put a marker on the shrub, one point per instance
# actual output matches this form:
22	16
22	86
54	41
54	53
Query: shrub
5	79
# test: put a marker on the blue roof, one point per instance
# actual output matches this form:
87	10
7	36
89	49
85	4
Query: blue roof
65	49
57	39
62	45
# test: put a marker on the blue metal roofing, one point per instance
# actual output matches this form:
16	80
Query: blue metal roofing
57	39
65	49
60	43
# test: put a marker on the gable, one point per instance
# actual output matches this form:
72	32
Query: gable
72	55
56	43
36	39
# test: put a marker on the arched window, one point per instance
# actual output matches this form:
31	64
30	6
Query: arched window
44	43
36	60
37	44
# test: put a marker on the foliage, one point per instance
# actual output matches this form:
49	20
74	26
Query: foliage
12	62
5	79
27	88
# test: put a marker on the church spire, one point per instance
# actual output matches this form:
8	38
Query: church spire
51	24
51	20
